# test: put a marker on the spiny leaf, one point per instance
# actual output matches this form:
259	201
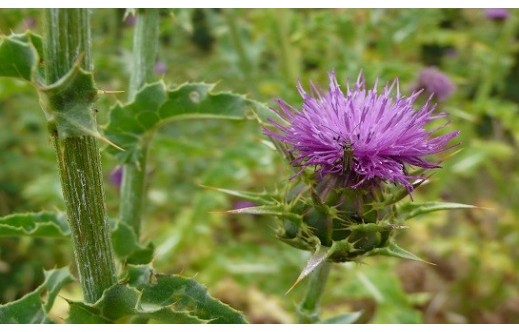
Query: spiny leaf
128	248
132	124
30	309
413	209
184	294
121	302
18	57
30	38
39	224
27	310
68	103
54	281
81	313
189	295
348	318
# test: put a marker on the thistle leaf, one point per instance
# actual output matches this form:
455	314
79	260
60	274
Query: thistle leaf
38	224
68	103
132	124
30	309
18	57
186	294
156	297
122	302
127	246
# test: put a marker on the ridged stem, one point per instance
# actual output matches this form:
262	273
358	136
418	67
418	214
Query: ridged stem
67	40
308	310
145	48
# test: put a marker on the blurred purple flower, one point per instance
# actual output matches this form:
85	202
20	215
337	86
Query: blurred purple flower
451	52
29	22
160	67
130	20
496	14
434	82
242	205
363	137
116	176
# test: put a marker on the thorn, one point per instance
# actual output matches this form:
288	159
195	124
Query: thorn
294	285
107	141
108	92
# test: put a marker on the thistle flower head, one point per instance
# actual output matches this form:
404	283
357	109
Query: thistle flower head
434	82
496	14
116	176
362	136
161	67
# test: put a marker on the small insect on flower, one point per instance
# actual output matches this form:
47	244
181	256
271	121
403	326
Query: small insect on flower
362	137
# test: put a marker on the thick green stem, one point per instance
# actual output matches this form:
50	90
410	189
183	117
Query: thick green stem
66	41
308	310
145	48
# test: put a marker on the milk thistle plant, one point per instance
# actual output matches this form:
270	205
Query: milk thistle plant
356	155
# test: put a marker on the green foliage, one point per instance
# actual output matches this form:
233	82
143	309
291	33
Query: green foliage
120	303
127	246
41	224
155	297
393	304
132	124
18	56
69	104
185	294
30	309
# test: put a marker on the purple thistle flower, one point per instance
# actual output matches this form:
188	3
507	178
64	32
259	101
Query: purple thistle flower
29	22
160	67
130	20
361	137
434	82
451	52
496	14
116	176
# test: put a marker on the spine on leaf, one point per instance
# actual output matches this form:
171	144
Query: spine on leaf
68	102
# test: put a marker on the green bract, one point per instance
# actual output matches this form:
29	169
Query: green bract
338	224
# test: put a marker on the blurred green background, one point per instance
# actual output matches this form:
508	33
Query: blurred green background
262	53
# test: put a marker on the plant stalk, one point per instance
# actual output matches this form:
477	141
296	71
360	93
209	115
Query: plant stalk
308	309
67	41
145	48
